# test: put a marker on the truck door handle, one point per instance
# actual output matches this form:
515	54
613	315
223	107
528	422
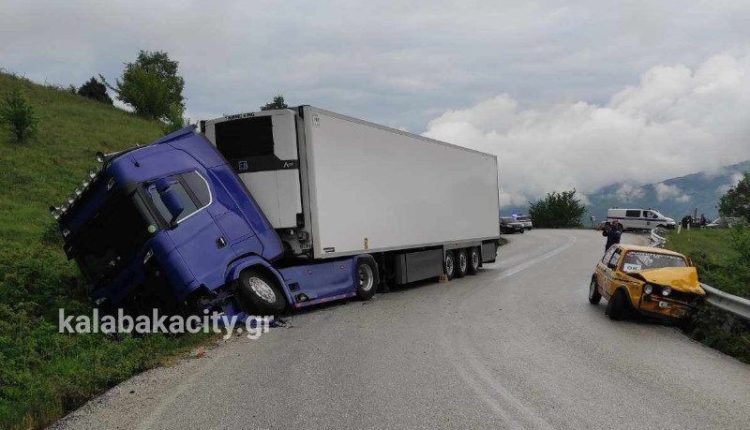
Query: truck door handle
220	242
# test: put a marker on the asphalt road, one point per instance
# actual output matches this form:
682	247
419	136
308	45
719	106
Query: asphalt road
517	346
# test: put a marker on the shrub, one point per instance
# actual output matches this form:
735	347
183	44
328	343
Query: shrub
18	115
557	210
95	90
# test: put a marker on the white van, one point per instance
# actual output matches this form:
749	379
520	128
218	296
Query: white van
639	219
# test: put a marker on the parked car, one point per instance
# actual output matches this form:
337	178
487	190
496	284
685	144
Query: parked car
525	220
640	219
646	280
510	225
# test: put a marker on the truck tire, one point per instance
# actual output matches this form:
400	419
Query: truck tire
462	263
260	294
366	278
474	259
617	307
594	296
449	265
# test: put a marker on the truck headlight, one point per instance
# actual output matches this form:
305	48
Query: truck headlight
648	289
666	291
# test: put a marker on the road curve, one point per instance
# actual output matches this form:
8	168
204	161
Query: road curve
517	346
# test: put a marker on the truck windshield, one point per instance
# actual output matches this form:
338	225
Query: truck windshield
112	237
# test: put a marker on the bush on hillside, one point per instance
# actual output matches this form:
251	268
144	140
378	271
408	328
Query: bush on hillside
18	116
95	90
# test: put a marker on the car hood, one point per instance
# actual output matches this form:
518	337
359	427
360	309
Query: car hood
683	279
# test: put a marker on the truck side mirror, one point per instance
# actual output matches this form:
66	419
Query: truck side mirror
171	200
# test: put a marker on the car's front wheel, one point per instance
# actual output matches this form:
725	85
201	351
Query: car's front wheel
617	306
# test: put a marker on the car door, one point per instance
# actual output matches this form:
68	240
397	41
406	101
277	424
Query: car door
607	285
601	267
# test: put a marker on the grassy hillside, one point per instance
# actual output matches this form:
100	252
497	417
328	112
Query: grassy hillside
45	374
721	257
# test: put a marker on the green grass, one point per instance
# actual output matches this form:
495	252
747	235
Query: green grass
722	257
44	374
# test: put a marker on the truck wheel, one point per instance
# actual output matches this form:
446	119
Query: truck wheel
462	263
594	296
474	259
617	306
260	293
366	278
449	265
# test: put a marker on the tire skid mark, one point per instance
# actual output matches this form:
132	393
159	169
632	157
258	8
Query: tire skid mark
477	376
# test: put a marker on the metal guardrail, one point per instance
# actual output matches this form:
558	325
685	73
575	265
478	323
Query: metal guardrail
657	240
727	302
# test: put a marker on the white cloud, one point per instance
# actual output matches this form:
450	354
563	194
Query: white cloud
670	192
677	120
628	192
734	180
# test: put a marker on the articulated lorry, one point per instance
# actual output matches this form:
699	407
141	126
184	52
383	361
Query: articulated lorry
278	209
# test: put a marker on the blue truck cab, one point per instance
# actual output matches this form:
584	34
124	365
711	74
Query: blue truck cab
171	222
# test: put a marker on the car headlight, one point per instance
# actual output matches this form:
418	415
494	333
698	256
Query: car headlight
666	291
648	289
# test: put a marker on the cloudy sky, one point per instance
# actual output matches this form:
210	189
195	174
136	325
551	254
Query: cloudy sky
567	94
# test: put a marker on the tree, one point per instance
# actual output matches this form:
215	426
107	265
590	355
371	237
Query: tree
277	103
174	120
557	210
96	90
151	85
18	115
736	202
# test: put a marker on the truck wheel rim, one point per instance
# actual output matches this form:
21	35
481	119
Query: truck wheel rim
474	259
262	289
592	288
448	265
366	280
462	262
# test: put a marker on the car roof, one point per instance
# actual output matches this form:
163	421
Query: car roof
628	247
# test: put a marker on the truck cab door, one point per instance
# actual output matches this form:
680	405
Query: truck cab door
196	235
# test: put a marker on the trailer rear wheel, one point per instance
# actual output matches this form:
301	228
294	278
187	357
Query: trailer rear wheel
474	259
261	294
449	265
462	263
366	278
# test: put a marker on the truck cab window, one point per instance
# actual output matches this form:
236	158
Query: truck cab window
190	189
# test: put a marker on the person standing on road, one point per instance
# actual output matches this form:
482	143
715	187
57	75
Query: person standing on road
613	232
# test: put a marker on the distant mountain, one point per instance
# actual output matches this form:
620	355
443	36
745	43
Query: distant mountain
674	197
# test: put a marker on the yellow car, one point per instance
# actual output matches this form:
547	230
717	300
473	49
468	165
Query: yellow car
650	281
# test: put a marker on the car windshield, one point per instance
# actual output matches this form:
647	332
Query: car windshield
636	261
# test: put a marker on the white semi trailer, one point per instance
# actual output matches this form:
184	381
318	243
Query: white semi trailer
335	186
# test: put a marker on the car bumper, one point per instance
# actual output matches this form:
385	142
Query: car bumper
664	307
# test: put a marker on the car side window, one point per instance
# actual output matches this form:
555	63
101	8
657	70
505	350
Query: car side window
614	259
608	255
633	214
